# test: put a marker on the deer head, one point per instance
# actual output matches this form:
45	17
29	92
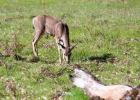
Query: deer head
67	52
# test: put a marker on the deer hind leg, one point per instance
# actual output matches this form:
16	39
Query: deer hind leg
35	40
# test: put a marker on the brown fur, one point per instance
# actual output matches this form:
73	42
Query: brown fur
96	90
138	96
131	94
93	77
56	28
43	2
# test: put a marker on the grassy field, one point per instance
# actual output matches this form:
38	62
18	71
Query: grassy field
108	33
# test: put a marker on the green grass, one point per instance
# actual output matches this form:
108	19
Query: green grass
108	33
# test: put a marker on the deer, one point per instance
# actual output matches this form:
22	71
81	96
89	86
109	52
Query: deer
96	90
43	2
45	24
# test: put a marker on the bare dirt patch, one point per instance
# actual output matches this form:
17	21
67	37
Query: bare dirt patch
46	72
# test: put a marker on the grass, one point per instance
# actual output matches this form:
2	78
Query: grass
108	33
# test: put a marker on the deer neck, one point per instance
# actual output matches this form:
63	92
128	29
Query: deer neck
66	36
93	88
65	40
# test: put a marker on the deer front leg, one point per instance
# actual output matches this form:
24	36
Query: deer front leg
59	50
63	51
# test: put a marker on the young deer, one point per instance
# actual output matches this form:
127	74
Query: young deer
56	28
96	90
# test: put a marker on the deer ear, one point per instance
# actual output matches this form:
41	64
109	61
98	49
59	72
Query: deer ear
72	47
62	46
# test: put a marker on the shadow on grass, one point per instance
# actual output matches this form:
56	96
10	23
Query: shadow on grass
104	58
30	59
35	59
